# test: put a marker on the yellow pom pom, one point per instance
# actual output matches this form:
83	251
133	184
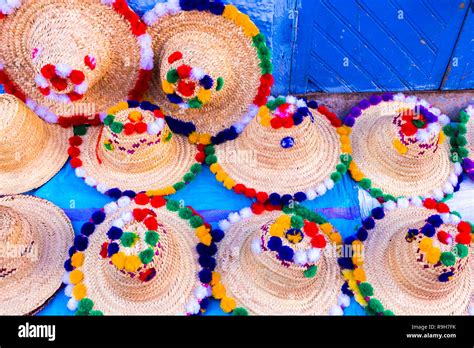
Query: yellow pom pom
401	149
218	291
216	278
77	259
441	138
76	276
425	244
230	12
250	29
205	139
344	130
360	300
206	239
228	304
347	274
284	221
276	230
229	183
121	106
135	116
433	255
79	291
132	262
118	260
357	260
359	275
204	95
170	190
326	228
346	148
352	284
215	168
221	176
193	138
201	231
345	140
167	87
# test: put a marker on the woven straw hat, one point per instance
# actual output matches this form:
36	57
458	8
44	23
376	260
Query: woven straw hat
68	59
133	150
261	276
398	147
34	240
289	151
137	258
31	151
213	67
418	261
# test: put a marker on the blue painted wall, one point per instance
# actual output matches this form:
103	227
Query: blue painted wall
364	45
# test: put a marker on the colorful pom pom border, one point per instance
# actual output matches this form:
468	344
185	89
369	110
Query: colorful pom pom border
250	30
445	192
138	29
74	278
353	268
75	148
460	144
276	198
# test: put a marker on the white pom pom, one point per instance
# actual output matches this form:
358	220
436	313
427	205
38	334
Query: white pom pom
193	307
329	184
68	290
433	128
110	208
173	6
197	74
444	120
458	168
90	181
411	99
390	205
445	217
336	310
118	223
233	218
51	117
41	81
454	219
448	188
311	194
239	127
30	103
150	17
66	277
200	292
72	304
160	10
403	203
438	194
291	99
127	217
424	102
123	201
63	70
102	188
422	136
102	116
224	225
153	128
246	213
82	88
435	111
453	179
416	201
343	300
256	246
313	255
321	189
300	103
399	97
471	309
80	172
300	258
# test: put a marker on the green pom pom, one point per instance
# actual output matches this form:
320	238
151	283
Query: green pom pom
346	159
173	205
365	183
341	168
195	103
168	137
152	238
85	305
336	177
388	198
196	168
461	140
188	177
258	40
461	129
463	117
271	105
280	101
172	76
388	313
462	152
266	67
370	312
116	127
96	313
297	222
81	314
179	185
196	221
376	192
241	312
128	239
461	250
447	258
418	123
109	119
185	213
315	217
211	159
264	52
449	130
366	289
287	209
146	256
376	305
311	272
80	130
220	83
210	150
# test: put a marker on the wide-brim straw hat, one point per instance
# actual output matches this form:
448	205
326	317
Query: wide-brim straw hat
35	236
296	161
262	284
66	59
150	158
218	42
390	162
168	284
409	269
31	151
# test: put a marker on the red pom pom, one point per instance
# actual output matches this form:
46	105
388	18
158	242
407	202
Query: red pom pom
336	123
464	227
158	113
76	162
48	71
184	71
142	199
75	96
186	89
318	241
103	250
239	188
463	238
73	151
75	140
151	223
443	237
157	202
262	197
258	208
140	127
260	99
288	122
129	128
311	228
442	208
200	157
250	193
276	123
138	28
409	129
77	77
323	110
429	203
139	214
58	83
201	147
44	91
175	57
267	80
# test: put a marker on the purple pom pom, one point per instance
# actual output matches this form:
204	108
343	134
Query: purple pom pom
87	229
114	233
369	223
98	217
274	243
81	242
428	230
356	112
349	121
112	249
387	96
378	213
217	235
364	104
286	253
375	99
205	276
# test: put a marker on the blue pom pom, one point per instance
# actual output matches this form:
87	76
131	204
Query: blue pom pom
369	223
112	249
286	199
413	231
378	213
67	265
231	133
180	127
297	118
146	105
313	104
274	198
204	303
362	234
81	242
428	230
217	8
98	217
87	229
303	111
435	220
129	193
217	235
286	253
444	277
345	263
205	250
375	99
202	5
114	233
364	104
346	290
207	262
300	196
274	243
174	98
205	276
71	251
114	193
349	240
133	104
287	142
187	5
207	82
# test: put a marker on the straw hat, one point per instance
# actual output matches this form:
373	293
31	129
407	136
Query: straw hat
213	68
290	151
66	59
278	264
31	151
399	148
138	257
34	240
133	150
417	260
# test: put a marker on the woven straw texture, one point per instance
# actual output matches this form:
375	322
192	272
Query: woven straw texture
263	286
41	233
402	283
218	47
116	293
155	164
66	32
257	159
396	174
31	151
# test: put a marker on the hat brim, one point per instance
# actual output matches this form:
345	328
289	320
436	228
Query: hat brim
31	289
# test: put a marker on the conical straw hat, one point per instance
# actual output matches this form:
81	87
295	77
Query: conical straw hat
138	257
66	59
134	150
31	151
399	148
266	271
417	260
213	68
34	240
290	151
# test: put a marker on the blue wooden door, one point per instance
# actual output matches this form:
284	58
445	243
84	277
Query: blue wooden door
374	45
